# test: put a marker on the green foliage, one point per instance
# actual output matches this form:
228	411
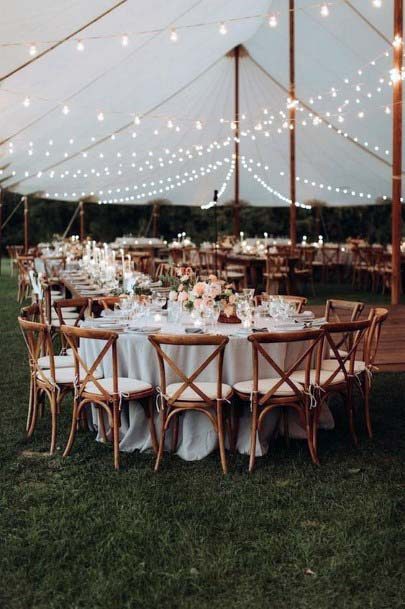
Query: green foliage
106	222
74	534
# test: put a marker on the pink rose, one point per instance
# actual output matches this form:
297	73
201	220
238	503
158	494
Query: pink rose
183	296
199	288
198	303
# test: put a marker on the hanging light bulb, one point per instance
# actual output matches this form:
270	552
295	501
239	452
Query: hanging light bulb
100	116
125	40
387	110
174	35
222	29
65	109
397	42
80	46
233	125
324	10
137	120
395	75
26	102
361	115
273	20
170	124
198	125
33	50
377	3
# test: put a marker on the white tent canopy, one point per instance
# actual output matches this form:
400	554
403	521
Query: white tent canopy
69	119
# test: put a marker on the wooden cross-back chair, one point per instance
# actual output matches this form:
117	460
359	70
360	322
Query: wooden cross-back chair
165	269
13	251
33	312
69	311
282	391
338	373
49	381
276	273
24	265
330	257
343	311
298	301
191	394
54	265
106	393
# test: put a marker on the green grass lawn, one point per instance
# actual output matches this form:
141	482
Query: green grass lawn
74	534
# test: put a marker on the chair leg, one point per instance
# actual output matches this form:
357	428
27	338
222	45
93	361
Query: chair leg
73	427
34	414
175	433
313	449
366	391
162	441
152	428
349	408
30	405
221	436
116	434
253	432
54	423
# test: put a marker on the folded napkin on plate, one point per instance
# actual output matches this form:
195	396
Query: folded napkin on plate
143	330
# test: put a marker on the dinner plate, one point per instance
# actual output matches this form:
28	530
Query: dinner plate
143	330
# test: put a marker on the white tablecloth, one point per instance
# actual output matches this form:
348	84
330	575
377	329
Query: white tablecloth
137	359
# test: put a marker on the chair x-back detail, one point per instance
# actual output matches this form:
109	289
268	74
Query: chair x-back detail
282	390
49	380
106	393
191	394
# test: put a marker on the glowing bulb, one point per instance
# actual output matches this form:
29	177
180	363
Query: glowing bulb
80	46
222	29
273	21
33	50
233	125
65	109
26	102
198	125
361	115
397	42
137	120
377	3
170	124
174	35
125	40
324	10
387	110
100	116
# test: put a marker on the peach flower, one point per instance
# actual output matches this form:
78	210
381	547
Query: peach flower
199	288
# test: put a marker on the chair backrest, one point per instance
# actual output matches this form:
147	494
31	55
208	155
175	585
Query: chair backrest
378	317
38	340
33	312
160	341
356	331
276	264
311	342
54	264
330	254
85	373
80	303
165	269
14	250
298	301
343	310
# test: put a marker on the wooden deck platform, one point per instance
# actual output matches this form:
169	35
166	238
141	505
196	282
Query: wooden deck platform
391	353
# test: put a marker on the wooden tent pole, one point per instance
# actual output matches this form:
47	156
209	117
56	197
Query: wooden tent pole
396	215
81	215
26	225
292	125
236	203
155	220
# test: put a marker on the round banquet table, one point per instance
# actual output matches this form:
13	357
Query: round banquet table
197	438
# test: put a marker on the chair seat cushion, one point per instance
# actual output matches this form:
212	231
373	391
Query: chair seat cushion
189	395
299	377
61	361
66	314
331	364
68	322
125	386
65	375
264	386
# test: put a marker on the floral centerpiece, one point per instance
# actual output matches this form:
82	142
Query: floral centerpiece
195	295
